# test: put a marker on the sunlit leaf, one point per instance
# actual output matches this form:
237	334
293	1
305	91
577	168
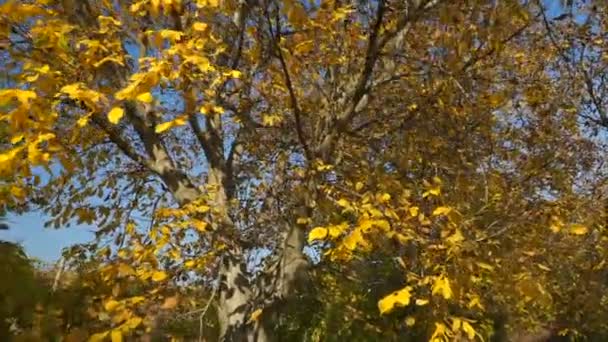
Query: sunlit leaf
111	305
578	229
441	211
159	276
441	286
145	97
116	335
179	121
99	337
398	298
317	233
255	315
115	115
468	329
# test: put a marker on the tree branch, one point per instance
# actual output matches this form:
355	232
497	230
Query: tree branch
115	136
292	96
371	56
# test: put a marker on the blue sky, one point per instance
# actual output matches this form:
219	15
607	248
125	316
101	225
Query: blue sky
43	243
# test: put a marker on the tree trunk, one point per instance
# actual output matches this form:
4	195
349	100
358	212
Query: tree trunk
234	299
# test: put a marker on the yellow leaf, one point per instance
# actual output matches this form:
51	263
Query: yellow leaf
441	211
318	233
122	253
578	229
337	230
133	322
16	139
303	220
304	47
145	97
424	220
519	55
455	238
209	109
136	299
320	166
440	333
410	321
434	191
474	302
116	114
99	337
383	225
271	120
207	3
413	211
422	302
398	298
442	286
163	127
255	315
556	224
343	202
199	26
116	336
17	192
23	96
543	267
341	13
125	270
179	121
159	276
468	329
190	264
384	198
355	239
108	20
485	266
201	226
116	60
496	100
32	78
234	74
358	186
111	304
83	121
456	324
45	137
172	35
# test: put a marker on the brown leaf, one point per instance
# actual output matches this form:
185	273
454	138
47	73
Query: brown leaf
170	302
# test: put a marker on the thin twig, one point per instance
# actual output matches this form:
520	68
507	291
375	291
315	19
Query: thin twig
495	234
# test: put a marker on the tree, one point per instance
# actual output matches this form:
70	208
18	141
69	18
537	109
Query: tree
204	136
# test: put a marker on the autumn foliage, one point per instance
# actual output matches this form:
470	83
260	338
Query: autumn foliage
317	170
